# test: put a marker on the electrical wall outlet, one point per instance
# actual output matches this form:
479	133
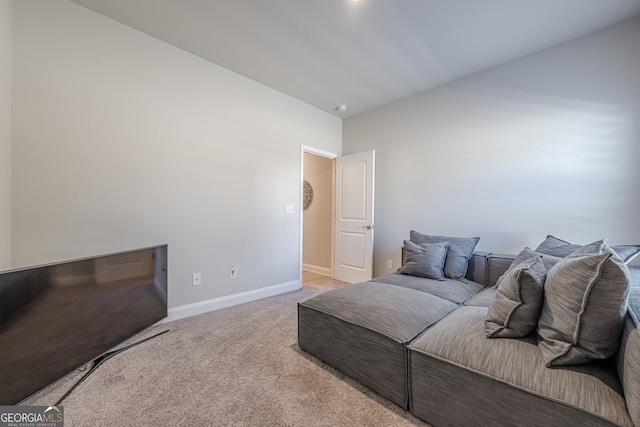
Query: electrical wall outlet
197	279
233	272
389	264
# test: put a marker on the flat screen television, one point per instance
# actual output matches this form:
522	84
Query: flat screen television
58	317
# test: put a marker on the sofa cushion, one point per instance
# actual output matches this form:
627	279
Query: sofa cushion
459	377
460	250
516	307
424	260
484	298
584	307
363	329
452	290
561	248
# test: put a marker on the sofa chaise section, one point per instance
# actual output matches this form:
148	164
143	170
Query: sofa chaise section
363	330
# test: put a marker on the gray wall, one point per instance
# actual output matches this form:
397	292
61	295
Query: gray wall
5	133
548	144
122	141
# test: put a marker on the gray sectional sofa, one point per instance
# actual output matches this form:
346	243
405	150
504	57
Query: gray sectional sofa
422	344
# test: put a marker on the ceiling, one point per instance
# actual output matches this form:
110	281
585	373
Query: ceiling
366	53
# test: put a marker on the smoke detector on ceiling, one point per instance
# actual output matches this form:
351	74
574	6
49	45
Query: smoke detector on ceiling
342	107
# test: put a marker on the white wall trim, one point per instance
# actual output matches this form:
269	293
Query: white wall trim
316	269
318	152
201	307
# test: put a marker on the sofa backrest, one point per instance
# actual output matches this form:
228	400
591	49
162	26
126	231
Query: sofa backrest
478	267
628	357
498	264
486	268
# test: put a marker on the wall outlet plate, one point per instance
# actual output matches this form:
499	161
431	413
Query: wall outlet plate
196	279
233	272
389	264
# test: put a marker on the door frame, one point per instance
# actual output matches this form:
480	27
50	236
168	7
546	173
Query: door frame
333	156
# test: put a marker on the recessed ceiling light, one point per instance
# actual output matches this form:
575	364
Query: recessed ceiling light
343	107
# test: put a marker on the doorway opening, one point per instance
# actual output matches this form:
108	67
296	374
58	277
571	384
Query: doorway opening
338	244
316	215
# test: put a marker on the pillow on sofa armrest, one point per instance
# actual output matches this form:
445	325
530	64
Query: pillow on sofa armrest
425	260
585	303
561	248
460	250
516	306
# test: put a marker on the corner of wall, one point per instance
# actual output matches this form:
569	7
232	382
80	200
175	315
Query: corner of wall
6	53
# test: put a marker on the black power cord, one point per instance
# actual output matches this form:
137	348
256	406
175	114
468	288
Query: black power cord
100	360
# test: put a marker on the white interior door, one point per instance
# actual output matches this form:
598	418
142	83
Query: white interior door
354	226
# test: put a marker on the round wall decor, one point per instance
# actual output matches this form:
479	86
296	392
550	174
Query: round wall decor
307	195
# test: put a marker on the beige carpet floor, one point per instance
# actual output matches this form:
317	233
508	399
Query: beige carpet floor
239	366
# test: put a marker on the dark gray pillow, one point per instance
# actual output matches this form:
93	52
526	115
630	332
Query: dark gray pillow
460	250
425	260
561	248
585	303
516	306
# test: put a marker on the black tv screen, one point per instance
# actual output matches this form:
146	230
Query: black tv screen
58	317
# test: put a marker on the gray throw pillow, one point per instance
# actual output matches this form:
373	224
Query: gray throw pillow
425	260
516	306
585	303
460	250
528	253
561	248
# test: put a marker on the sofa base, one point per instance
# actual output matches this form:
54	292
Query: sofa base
458	375
446	395
372	360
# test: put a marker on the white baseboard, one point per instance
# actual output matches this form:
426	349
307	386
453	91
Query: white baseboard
316	269
201	307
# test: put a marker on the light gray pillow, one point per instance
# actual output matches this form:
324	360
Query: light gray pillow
516	306
460	250
425	260
585	303
561	248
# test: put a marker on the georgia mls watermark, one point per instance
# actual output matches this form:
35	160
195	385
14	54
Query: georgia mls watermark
31	416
